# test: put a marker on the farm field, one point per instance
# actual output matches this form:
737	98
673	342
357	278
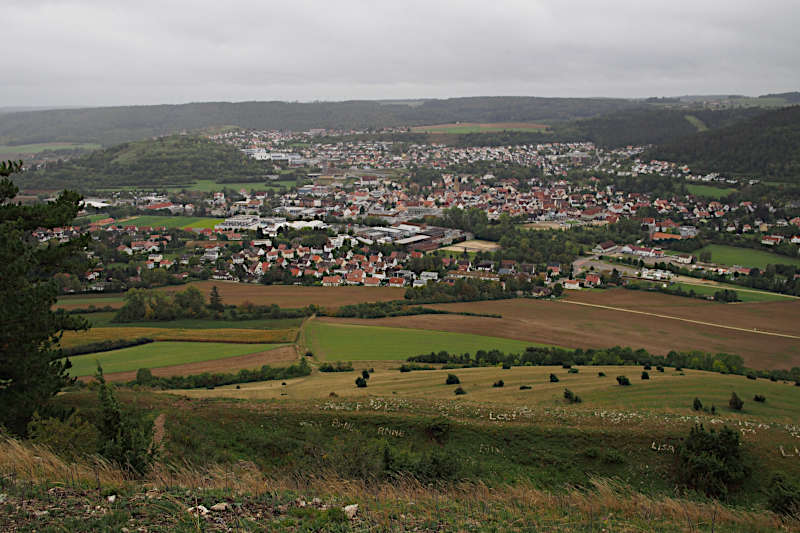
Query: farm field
670	391
21	149
474	245
105	320
283	355
746	296
229	335
174	221
159	354
482	127
332	340
604	320
293	296
746	257
708	191
85	300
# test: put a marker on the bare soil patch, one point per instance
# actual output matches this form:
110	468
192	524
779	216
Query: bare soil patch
278	357
473	246
294	295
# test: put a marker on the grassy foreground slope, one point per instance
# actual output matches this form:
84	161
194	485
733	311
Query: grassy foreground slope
413	455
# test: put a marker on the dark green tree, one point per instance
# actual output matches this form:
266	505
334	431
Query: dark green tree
215	300
32	369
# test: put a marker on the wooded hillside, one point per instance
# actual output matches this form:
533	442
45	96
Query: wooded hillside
766	146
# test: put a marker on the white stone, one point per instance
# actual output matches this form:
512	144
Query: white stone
350	510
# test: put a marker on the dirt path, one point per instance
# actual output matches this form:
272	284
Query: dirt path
785	335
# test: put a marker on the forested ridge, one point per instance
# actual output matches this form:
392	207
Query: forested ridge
175	160
113	125
766	146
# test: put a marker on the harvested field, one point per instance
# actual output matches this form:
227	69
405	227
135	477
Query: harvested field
472	246
293	295
227	335
283	356
579	326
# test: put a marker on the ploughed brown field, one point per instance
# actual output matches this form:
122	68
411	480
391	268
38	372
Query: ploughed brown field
293	295
281	295
278	357
579	326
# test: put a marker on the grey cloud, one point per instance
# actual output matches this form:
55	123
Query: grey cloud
120	52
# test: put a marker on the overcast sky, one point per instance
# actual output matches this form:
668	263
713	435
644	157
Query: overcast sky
108	52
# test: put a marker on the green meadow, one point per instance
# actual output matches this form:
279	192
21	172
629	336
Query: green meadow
348	342
746	257
158	354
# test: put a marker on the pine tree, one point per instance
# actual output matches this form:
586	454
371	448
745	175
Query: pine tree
215	300
32	369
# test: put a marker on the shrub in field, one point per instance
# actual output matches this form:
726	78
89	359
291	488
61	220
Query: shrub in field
751	376
408	367
760	398
144	376
525	387
711	461
601	374
365	374
647	367
645	375
623	380
72	437
572	371
660	368
783	496
571	397
506	366
613	457
459	391
553	378
309	354
339	366
566	365
452	379
498	383
438	429
361	382
697	405
735	402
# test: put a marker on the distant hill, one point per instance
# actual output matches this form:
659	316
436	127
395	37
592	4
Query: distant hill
167	161
765	146
649	125
113	125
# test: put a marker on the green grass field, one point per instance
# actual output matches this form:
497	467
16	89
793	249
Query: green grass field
174	221
696	122
708	191
158	354
746	257
100	320
6	151
347	342
85	300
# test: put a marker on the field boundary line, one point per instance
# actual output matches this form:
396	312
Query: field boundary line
689	320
